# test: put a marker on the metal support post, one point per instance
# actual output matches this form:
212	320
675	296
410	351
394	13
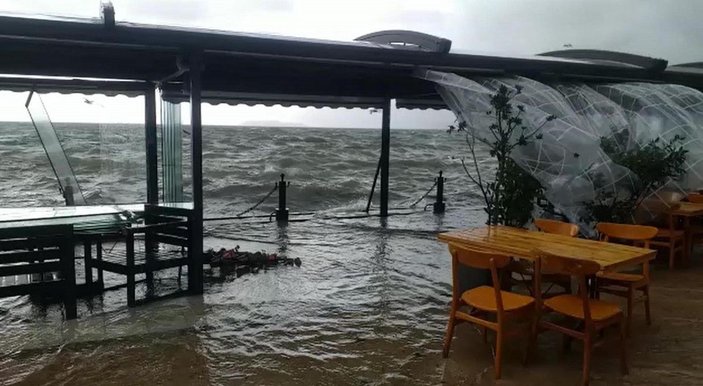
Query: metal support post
282	211
385	155
195	270
439	205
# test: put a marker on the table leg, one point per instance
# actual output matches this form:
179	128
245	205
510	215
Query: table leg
99	257
688	241
87	256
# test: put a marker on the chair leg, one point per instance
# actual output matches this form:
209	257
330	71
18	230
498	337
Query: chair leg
672	254
565	343
623	350
645	290
449	335
499	351
484	332
630	296
532	341
131	290
587	347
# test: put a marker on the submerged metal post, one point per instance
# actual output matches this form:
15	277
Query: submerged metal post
439	205
282	211
152	178
195	270
385	155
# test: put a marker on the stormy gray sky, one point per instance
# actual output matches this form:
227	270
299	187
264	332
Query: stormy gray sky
668	29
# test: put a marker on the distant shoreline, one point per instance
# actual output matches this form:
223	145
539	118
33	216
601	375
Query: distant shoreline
235	127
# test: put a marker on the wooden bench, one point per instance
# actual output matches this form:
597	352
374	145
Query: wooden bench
163	227
39	260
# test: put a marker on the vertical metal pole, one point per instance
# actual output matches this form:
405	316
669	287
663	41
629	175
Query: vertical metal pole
282	211
196	65
152	178
385	155
439	205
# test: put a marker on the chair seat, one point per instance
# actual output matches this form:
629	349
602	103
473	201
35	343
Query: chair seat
620	277
572	305
484	298
666	233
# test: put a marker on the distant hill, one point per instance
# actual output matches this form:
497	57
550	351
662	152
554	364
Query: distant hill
272	123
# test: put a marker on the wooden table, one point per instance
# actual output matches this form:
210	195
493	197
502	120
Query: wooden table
686	211
521	242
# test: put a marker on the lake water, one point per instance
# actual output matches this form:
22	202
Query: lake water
367	306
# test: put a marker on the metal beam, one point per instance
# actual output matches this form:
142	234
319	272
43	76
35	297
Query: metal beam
152	178
196	268
385	155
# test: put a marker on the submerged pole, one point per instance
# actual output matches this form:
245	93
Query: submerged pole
385	155
152	179
439	206
195	271
282	211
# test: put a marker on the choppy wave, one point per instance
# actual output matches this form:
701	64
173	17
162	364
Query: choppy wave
368	306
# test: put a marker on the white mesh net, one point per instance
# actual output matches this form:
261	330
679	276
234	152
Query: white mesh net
568	161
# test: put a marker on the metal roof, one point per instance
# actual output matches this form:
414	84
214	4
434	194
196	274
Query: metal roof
267	69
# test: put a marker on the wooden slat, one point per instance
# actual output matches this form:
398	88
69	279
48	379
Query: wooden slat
167	211
25	289
687	209
110	266
521	242
39	231
29	256
21	269
155	219
175	231
166	239
29	243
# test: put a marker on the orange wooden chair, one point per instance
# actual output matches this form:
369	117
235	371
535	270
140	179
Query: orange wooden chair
557	227
526	270
695	198
486	301
673	239
695	229
591	315
625	284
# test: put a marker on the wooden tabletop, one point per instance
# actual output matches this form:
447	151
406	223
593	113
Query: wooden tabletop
687	209
521	242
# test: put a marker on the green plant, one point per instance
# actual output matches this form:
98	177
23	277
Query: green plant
511	194
654	164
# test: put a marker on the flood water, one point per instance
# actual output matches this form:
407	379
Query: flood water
367	306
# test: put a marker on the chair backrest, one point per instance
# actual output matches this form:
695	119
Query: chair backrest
547	262
637	233
695	198
475	258
557	227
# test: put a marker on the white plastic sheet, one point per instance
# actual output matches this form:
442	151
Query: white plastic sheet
568	161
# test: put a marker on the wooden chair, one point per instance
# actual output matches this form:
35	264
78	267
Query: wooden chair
557	227
591	315
695	227
485	301
624	284
695	198
526	271
673	239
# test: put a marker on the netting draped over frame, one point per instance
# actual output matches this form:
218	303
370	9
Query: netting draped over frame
568	161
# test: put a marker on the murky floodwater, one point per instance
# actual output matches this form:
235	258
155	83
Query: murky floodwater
367	305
